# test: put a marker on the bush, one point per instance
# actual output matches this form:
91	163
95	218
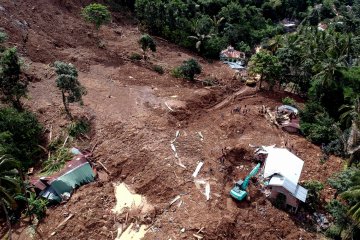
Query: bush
3	38
135	57
176	72
289	101
189	68
78	127
20	134
314	188
213	47
97	14
159	69
146	42
37	206
338	212
333	232
342	180
56	161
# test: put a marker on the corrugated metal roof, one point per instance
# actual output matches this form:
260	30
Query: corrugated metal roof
296	190
282	161
301	193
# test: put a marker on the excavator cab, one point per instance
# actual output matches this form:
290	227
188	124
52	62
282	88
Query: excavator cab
239	190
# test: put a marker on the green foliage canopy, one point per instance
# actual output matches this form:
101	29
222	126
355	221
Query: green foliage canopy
12	86
97	14
67	81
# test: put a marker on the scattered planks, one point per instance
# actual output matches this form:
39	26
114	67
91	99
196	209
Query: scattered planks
63	223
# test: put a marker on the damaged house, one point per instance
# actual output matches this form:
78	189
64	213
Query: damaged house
283	170
60	185
235	59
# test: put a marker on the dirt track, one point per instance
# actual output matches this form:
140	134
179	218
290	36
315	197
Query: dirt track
134	128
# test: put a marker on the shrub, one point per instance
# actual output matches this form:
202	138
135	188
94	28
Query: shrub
176	72
146	42
37	206
78	127
3	36
20	134
213	46
56	161
338	211
342	180
97	14
159	69
314	188
289	101
189	68
210	81
333	232
135	57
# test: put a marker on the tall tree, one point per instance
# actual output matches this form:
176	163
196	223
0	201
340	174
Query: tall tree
12	86
267	66
67	81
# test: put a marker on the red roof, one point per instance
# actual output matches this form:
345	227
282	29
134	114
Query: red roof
230	52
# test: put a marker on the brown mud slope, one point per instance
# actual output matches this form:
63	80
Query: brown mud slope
134	129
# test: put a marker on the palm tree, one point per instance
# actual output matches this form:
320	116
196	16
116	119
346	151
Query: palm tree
353	197
352	114
9	185
216	23
200	36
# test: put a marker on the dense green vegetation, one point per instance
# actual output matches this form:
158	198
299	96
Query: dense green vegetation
319	60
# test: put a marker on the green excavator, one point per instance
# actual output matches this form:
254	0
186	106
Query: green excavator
239	190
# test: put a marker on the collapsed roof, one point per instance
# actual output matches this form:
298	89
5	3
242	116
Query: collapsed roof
75	173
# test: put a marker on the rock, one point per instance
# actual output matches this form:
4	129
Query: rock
182	230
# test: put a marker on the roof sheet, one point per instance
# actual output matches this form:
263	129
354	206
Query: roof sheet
296	190
282	161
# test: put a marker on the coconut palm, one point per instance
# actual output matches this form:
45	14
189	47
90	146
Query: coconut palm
202	33
353	197
216	23
9	185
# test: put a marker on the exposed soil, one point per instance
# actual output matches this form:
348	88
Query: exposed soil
133	130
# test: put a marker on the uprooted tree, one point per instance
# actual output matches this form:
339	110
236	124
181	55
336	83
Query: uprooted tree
67	81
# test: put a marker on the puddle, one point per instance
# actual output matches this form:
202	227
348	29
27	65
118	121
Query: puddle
132	233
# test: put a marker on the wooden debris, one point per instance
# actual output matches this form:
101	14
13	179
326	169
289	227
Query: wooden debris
174	200
172	110
103	166
198	236
207	191
197	170
62	224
